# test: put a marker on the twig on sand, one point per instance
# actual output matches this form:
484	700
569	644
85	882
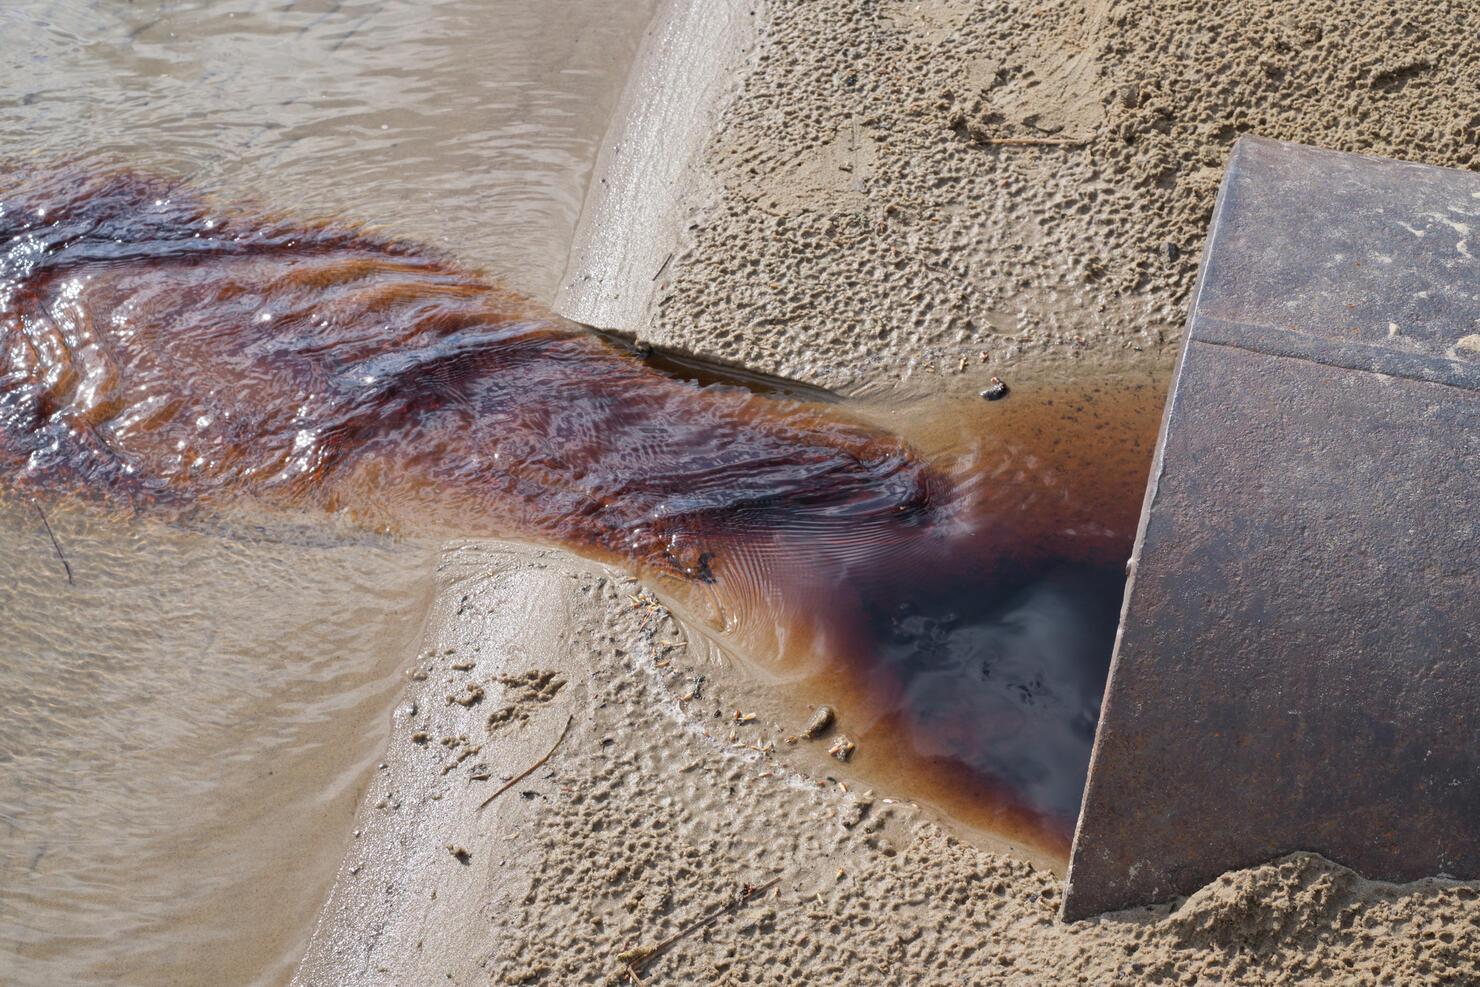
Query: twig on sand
640	956
47	525
1030	141
529	770
664	266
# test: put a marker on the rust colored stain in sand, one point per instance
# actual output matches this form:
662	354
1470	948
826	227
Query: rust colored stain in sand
159	348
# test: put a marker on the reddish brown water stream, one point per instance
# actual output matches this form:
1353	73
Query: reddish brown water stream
957	589
969	665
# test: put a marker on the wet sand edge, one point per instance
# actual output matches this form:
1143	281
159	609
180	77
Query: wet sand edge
414	891
649	173
425	858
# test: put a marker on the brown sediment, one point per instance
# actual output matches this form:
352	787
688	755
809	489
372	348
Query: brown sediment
164	348
974	671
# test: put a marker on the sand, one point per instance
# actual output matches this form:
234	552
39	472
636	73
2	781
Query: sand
648	816
850	220
866	228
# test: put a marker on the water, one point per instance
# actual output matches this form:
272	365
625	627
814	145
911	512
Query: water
188	724
173	353
969	665
187	727
246	502
465	124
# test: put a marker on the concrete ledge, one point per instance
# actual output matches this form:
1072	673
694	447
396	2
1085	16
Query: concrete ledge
1298	666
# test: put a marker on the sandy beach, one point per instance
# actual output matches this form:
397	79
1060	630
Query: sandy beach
886	199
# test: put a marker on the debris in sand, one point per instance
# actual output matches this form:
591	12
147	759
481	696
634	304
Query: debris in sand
996	391
842	748
1027	141
822	718
637	957
530	770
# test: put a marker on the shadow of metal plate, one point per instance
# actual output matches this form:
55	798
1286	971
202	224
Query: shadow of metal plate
1297	666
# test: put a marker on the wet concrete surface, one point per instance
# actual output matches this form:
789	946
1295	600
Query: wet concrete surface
1297	662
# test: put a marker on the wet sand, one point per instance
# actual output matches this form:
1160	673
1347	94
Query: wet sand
648	816
855	217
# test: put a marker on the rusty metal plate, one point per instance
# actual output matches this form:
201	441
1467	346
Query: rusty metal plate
1298	662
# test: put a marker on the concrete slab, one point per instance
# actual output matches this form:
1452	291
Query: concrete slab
1298	662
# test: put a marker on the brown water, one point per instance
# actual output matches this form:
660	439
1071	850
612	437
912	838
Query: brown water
187	724
969	667
213	406
167	352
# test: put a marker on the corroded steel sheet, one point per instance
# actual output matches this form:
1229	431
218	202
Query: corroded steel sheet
1298	662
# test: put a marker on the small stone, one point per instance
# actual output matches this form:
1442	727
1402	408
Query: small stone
997	391
1170	252
822	718
842	748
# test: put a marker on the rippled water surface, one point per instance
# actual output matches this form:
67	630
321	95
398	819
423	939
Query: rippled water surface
467	124
206	408
186	729
164	350
187	723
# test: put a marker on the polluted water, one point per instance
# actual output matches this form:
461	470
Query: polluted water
191	722
953	576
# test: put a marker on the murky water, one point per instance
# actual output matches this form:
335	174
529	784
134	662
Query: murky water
966	649
186	725
213	406
166	351
187	728
970	671
468	125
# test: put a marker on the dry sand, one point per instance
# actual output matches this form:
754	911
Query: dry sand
864	222
850	220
